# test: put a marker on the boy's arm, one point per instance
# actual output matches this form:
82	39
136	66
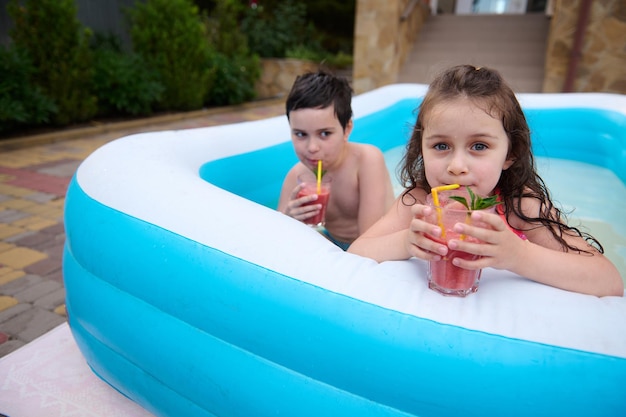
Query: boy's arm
285	192
375	189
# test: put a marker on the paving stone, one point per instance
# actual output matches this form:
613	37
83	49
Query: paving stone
32	323
62	170
54	229
35	181
5	270
6	231
56	276
61	310
35	223
14	311
51	300
10	346
7	302
9	274
19	258
40	197
37	291
18	285
33	239
10	216
14	191
16	204
57	149
46	241
4	197
3	337
54	251
5	246
23	233
44	267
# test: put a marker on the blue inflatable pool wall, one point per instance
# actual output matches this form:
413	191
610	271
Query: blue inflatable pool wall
188	293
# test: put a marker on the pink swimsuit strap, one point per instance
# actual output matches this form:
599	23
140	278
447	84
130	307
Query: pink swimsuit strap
500	211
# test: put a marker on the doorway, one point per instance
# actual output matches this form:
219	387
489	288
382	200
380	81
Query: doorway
488	6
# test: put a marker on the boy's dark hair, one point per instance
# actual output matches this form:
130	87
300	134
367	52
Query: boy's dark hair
318	90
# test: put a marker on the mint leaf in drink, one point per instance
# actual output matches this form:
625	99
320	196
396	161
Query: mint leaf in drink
476	202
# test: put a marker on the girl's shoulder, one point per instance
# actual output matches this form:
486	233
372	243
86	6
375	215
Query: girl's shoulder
529	206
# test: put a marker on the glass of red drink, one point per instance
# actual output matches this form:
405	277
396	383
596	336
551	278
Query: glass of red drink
443	276
309	187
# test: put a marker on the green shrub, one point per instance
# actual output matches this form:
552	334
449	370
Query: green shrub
56	44
236	68
272	32
234	79
339	60
21	102
123	83
302	52
170	36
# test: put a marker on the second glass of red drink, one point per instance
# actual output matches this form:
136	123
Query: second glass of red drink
310	186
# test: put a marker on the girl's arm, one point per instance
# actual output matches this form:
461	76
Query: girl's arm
540	258
398	234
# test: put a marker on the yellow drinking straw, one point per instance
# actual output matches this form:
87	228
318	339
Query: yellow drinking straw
434	192
319	176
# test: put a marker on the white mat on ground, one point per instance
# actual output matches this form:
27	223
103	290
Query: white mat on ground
50	378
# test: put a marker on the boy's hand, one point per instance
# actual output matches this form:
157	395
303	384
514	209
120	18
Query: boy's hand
299	208
418	244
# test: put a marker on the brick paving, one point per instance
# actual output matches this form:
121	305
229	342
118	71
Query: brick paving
34	174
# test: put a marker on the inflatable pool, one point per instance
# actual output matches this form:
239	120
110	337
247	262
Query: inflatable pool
188	293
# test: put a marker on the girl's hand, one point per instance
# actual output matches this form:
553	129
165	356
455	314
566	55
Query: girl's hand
418	244
298	208
498	247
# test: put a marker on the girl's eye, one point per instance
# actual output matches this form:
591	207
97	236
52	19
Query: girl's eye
479	147
441	147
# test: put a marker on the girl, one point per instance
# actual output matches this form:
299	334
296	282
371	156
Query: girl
471	131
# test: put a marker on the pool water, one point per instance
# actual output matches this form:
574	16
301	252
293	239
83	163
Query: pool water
599	210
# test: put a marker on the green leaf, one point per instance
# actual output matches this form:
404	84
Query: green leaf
476	202
461	200
315	172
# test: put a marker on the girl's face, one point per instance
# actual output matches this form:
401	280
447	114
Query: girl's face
462	144
317	135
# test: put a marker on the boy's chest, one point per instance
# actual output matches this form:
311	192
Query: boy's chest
344	199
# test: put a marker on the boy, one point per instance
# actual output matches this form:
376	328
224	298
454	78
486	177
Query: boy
320	118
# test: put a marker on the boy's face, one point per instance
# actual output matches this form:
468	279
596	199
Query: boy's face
317	135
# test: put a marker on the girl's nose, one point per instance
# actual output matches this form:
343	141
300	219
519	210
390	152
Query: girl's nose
457	165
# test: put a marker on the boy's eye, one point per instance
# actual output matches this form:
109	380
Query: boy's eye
299	134
325	134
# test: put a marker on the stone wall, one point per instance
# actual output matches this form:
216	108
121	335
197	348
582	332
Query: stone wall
382	40
278	75
602	63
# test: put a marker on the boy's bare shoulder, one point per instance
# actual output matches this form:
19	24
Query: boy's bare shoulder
366	151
